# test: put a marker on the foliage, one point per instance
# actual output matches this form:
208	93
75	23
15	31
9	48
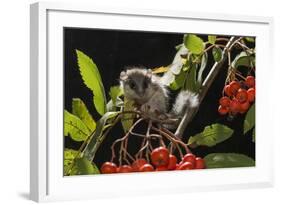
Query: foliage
224	160
249	121
211	135
75	127
186	72
92	79
80	110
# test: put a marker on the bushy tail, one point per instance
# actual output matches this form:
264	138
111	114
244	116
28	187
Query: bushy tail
185	101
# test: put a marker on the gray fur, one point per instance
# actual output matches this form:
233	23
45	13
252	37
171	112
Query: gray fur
146	90
185	100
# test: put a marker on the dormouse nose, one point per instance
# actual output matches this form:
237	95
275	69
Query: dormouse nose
141	92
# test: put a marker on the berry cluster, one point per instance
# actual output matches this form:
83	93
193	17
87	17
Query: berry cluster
161	160
239	96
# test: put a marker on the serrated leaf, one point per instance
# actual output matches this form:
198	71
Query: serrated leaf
175	67
69	156
250	119
217	53
225	160
80	110
211	135
179	81
167	78
194	44
97	137
114	92
191	83
212	39
84	167
92	79
128	119
111	108
243	59
74	127
204	60
178	57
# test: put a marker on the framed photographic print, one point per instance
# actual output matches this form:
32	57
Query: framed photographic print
127	96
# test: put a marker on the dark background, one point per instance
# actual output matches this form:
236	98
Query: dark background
113	50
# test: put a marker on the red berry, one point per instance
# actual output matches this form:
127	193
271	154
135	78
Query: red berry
234	106
172	162
108	168
186	166
177	166
242	95
227	90
124	169
223	110
244	107
161	168
224	101
147	168
200	163
251	94
160	156
234	87
250	81
189	158
138	164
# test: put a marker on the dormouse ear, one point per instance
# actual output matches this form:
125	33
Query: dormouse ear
149	73
123	75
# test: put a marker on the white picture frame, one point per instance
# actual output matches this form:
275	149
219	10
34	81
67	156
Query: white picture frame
46	139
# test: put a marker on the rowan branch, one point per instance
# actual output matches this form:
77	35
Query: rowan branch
188	116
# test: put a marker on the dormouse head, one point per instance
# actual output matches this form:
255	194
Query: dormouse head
137	83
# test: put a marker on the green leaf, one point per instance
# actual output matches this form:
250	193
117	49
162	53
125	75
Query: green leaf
175	67
69	156
191	83
80	110
84	167
74	127
250	39
80	166
254	136
250	118
211	135
224	160
243	59
110	107
97	137
193	43
92	79
204	60
217	53
212	39
128	119
179	81
115	91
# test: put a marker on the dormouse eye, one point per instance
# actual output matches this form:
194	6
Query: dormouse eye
145	84
132	84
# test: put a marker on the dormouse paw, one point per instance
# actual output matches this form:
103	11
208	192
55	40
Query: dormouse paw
145	108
